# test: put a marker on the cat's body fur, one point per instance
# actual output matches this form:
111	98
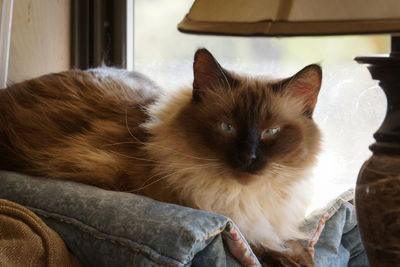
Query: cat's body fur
221	192
115	130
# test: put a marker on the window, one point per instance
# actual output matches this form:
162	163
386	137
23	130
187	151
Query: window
351	105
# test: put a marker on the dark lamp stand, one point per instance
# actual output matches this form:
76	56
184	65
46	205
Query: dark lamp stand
378	184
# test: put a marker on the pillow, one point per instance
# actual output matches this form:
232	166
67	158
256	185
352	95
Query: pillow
107	228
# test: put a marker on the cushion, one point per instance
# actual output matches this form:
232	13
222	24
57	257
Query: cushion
107	228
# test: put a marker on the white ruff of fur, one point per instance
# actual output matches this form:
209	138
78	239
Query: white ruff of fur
267	211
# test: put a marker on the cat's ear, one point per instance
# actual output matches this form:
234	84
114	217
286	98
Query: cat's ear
208	74
306	85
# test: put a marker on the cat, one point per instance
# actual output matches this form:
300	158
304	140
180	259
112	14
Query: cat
231	144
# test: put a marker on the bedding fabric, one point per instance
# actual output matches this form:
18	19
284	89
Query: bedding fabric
106	228
339	244
25	240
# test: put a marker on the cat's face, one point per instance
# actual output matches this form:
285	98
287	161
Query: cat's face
251	124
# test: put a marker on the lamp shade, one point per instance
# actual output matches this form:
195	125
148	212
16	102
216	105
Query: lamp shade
292	17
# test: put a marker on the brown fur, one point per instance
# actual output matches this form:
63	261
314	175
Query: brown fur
62	125
106	131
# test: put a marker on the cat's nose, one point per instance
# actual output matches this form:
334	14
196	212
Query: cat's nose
249	158
252	156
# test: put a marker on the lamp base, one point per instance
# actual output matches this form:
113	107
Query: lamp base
378	184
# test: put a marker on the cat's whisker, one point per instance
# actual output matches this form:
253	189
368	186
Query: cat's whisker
119	143
158	180
127	124
222	100
226	78
158	162
279	169
233	98
163	177
160	148
153	145
137	158
222	172
155	175
281	165
180	153
147	180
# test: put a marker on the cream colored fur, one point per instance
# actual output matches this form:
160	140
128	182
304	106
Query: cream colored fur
267	210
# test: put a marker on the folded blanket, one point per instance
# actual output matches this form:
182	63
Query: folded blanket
25	240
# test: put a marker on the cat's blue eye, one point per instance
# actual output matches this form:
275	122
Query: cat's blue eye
227	128
271	132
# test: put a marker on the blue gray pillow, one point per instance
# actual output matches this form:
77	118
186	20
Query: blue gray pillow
106	228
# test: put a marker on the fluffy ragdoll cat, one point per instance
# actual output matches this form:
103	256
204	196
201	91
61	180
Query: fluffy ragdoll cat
231	144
